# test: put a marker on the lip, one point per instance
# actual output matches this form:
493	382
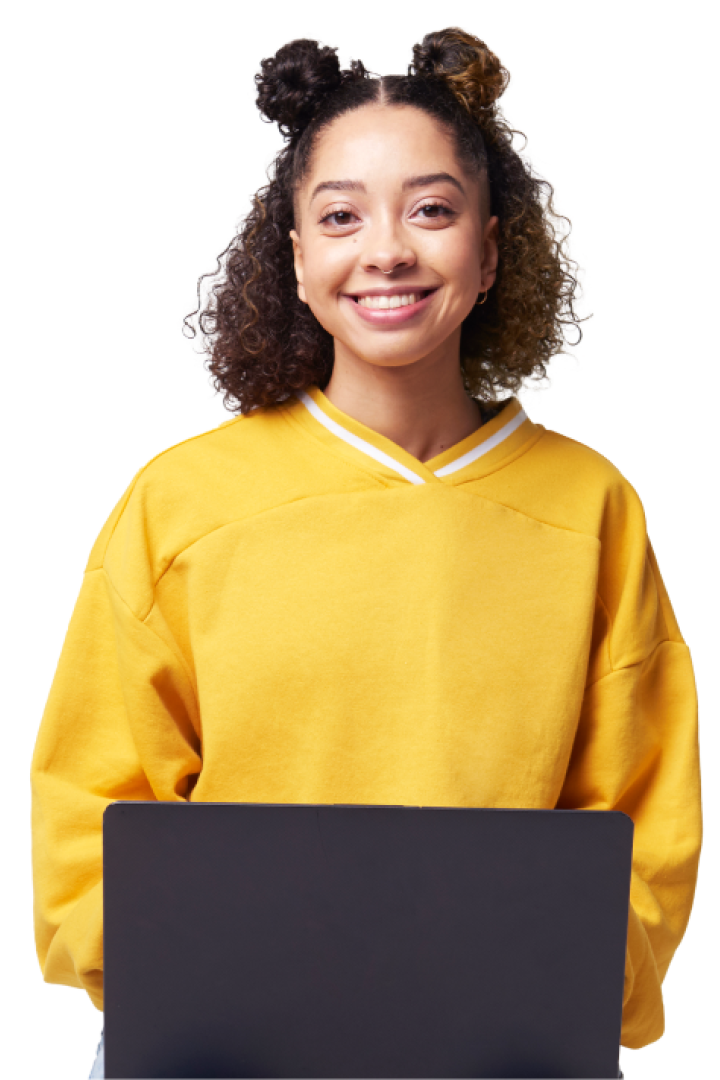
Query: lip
390	316
395	291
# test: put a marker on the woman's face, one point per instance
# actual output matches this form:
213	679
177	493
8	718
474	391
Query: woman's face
393	241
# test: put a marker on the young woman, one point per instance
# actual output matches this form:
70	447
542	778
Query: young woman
381	582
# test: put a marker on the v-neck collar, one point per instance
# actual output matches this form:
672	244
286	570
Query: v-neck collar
478	454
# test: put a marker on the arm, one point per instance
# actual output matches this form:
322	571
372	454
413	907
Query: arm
636	750
118	725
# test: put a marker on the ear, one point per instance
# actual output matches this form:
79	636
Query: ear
297	256
490	253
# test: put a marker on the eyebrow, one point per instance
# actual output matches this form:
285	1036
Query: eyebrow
410	184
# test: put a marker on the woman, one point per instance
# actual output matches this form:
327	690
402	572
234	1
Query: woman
381	582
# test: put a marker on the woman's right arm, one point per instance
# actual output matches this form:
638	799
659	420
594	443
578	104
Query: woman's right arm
120	723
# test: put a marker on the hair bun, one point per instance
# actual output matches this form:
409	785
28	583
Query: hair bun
293	82
473	72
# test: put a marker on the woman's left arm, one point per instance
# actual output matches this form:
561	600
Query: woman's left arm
636	750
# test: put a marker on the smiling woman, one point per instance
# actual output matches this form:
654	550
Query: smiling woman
381	582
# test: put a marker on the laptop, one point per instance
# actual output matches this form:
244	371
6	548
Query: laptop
298	940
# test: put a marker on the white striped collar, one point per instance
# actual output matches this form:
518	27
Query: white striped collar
397	466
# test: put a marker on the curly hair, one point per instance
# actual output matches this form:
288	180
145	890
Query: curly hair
264	344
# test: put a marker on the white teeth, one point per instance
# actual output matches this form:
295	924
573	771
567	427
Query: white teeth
384	302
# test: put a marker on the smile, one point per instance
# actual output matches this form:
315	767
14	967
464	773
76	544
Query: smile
387	307
384	303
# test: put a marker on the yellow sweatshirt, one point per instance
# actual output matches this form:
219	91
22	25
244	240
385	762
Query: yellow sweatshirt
291	608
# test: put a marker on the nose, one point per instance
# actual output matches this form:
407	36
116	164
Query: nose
387	247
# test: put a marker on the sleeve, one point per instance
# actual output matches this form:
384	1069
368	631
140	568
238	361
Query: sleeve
636	750
120	723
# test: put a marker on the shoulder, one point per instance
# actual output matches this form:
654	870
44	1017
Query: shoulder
574	486
185	492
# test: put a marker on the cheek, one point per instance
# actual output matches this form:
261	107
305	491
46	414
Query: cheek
461	260
327	267
454	251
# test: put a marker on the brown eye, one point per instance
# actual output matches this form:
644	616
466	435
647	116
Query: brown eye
435	211
338	218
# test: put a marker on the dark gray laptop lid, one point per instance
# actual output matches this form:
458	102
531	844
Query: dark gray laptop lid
352	941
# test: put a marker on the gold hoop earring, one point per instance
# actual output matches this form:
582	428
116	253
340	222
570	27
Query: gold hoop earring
479	302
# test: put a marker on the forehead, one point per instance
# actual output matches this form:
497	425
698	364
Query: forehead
381	142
